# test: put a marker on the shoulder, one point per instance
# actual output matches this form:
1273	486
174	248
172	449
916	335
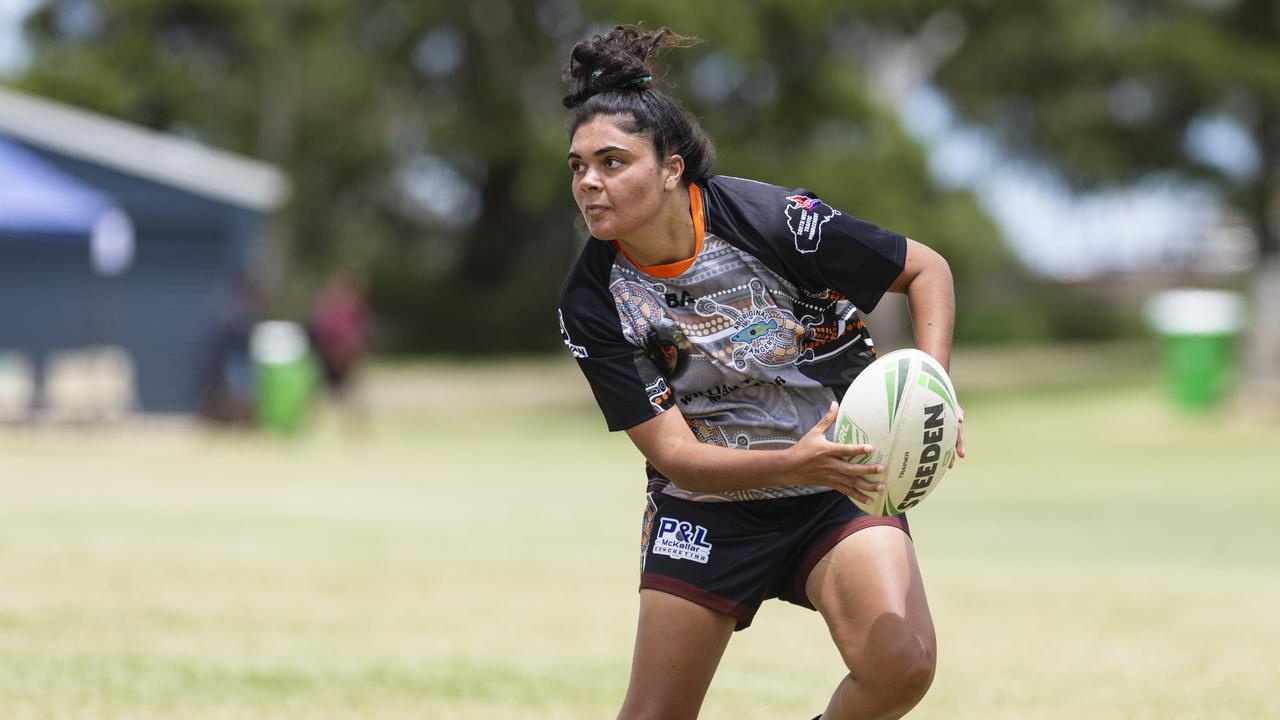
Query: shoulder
744	210
756	217
729	200
745	188
800	237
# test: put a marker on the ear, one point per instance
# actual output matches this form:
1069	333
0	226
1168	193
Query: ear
672	170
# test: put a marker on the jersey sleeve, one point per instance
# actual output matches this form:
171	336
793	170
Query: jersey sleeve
628	386
805	240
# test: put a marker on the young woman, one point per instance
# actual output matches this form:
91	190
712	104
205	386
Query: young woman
716	320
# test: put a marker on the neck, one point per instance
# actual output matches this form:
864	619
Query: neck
669	238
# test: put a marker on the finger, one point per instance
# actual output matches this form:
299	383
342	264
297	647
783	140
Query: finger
959	437
827	419
868	484
854	471
853	493
849	451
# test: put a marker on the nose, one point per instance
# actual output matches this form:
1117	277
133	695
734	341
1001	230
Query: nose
589	181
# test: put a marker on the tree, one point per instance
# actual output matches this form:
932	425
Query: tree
426	139
1109	92
309	86
786	101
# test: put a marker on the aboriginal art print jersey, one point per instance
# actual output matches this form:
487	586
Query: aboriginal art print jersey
752	337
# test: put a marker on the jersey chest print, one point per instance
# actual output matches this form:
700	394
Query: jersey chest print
765	332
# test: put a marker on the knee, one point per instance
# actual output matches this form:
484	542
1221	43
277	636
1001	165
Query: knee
900	675
912	675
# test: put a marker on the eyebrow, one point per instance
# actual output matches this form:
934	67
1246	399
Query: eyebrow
602	151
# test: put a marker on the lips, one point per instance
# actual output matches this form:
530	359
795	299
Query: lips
596	209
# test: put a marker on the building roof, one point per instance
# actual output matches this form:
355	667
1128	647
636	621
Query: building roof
145	153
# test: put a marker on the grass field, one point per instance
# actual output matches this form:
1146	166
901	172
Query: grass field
1097	556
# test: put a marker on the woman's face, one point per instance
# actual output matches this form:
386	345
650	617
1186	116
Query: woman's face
617	180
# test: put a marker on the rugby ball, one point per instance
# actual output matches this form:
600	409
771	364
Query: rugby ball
904	406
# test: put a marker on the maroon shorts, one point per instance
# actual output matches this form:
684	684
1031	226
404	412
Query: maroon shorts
732	556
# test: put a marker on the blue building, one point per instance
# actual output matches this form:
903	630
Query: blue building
115	235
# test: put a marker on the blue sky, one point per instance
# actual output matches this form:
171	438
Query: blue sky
12	50
1059	233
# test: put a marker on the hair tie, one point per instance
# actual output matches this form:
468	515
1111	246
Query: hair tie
639	82
595	74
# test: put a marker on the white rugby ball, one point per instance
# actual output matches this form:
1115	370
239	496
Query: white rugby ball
904	406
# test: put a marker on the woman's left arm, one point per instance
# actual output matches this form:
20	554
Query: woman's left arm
931	298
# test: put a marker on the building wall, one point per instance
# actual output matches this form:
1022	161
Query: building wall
45	294
165	309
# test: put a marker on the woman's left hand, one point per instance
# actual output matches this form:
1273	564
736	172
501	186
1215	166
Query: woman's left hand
959	437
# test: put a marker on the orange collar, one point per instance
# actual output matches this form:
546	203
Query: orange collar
674	269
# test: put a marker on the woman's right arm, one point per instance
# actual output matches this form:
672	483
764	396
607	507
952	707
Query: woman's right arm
667	443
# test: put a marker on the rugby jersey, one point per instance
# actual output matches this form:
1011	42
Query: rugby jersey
752	338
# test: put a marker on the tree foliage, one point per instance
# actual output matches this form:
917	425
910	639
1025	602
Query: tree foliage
1108	91
426	140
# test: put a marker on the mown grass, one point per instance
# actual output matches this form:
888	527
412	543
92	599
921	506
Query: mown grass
474	555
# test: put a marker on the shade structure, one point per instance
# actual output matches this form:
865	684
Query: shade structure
39	203
38	199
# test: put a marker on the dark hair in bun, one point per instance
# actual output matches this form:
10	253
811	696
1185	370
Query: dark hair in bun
611	76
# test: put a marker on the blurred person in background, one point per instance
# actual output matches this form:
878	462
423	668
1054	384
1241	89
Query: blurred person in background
712	314
227	396
340	329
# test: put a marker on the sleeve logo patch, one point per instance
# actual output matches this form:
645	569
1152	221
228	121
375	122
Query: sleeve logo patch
659	394
576	350
682	541
806	216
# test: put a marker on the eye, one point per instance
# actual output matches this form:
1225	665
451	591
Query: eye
575	166
612	163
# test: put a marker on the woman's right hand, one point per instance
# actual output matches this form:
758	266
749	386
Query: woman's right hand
815	460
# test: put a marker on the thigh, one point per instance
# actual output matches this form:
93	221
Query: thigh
869	591
678	646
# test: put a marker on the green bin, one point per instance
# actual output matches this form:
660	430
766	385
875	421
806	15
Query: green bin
285	375
1198	331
